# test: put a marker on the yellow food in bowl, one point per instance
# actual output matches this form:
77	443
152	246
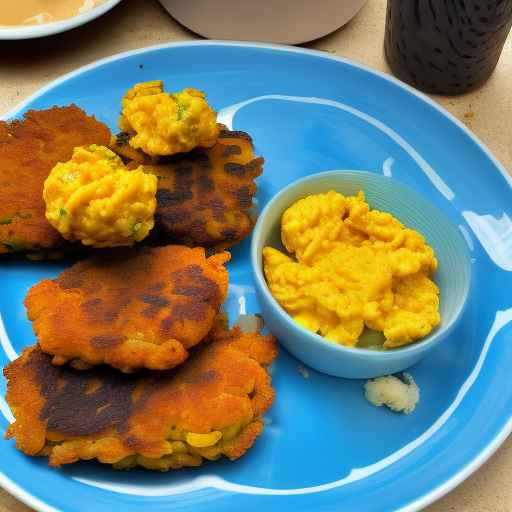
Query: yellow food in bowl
95	199
354	268
165	124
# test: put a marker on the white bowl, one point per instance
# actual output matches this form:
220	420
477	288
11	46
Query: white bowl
55	27
275	21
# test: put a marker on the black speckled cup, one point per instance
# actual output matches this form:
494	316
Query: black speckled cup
446	46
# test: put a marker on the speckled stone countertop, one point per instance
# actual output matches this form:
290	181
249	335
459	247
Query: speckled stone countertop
25	66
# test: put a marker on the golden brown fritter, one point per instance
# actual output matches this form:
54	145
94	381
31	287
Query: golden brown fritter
29	149
204	197
209	407
129	308
120	144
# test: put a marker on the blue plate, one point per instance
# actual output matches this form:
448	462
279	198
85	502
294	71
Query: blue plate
324	447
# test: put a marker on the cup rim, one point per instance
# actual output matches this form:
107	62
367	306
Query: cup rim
419	346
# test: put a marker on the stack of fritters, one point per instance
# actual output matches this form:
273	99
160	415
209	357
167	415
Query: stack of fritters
204	197
138	309
133	365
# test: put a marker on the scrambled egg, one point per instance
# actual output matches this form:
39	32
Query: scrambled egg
165	124
95	199
353	268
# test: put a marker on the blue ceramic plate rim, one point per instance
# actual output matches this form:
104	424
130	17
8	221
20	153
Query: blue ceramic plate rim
55	27
490	448
432	339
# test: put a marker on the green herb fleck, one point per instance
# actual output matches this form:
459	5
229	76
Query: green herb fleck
9	218
181	111
182	108
14	246
62	213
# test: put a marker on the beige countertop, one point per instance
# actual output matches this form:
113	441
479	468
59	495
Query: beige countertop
25	66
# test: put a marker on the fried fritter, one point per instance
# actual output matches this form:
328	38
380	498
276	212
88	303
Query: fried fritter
29	149
120	144
131	308
209	407
204	197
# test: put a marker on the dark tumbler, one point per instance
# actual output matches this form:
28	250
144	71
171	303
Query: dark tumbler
446	46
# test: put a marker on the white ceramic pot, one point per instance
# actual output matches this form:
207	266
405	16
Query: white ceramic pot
275	21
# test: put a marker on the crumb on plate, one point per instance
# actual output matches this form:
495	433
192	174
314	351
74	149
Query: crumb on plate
398	392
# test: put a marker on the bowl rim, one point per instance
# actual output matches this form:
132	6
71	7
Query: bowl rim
419	346
17	32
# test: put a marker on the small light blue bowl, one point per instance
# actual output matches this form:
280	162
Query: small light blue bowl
453	275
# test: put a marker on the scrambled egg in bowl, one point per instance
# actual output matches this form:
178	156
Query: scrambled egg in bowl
353	268
95	199
165	124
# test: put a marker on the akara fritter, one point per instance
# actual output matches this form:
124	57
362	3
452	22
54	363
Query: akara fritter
210	406
129	308
29	148
204	197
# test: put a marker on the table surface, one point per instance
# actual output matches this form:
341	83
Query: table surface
25	66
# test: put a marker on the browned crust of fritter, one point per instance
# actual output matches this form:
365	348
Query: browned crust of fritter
101	414
130	308
29	149
204	197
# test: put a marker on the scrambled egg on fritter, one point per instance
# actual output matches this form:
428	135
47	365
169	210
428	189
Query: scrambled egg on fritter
94	198
29	149
167	123
354	267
